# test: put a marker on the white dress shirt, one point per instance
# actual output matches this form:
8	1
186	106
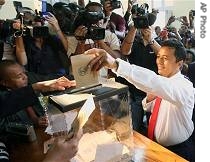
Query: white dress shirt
174	124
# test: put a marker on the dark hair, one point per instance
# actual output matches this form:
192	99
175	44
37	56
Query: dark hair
59	5
157	27
90	4
180	51
4	64
192	53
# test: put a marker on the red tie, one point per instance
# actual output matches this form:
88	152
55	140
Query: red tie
153	118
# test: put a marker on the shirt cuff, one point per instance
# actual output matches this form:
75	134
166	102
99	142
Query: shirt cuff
123	68
147	105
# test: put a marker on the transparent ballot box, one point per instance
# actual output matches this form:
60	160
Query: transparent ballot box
107	133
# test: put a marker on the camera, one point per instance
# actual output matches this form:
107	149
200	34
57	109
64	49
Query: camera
88	19
8	33
115	4
6	28
142	18
38	31
65	14
193	12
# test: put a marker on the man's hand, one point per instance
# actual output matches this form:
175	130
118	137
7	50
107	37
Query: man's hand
63	150
102	58
52	85
51	19
80	32
150	97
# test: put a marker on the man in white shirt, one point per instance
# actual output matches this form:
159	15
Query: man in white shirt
174	124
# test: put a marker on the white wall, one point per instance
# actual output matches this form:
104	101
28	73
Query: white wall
172	7
8	10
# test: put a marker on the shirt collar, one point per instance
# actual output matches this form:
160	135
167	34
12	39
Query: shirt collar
178	74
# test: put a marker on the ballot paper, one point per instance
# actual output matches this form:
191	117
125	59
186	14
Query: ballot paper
82	74
91	146
83	115
106	152
61	122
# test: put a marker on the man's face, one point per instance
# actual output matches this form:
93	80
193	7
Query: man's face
15	77
2	2
166	62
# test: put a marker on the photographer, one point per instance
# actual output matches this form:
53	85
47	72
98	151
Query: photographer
114	18
45	52
105	40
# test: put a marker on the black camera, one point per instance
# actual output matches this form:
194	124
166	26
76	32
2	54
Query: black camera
8	33
95	33
89	19
142	18
65	14
6	28
115	4
193	12
40	31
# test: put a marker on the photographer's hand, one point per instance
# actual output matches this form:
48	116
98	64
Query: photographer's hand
184	20
171	20
191	19
80	32
146	35
51	19
149	40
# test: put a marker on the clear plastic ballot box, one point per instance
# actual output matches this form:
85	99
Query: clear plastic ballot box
108	130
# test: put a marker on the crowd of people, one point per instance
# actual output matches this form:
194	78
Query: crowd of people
155	63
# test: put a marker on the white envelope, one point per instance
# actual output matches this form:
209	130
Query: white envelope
81	72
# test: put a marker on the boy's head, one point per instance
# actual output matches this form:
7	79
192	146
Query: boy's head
12	75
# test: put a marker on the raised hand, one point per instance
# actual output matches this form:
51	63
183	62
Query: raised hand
101	59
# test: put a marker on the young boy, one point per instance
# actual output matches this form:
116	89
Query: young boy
12	78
